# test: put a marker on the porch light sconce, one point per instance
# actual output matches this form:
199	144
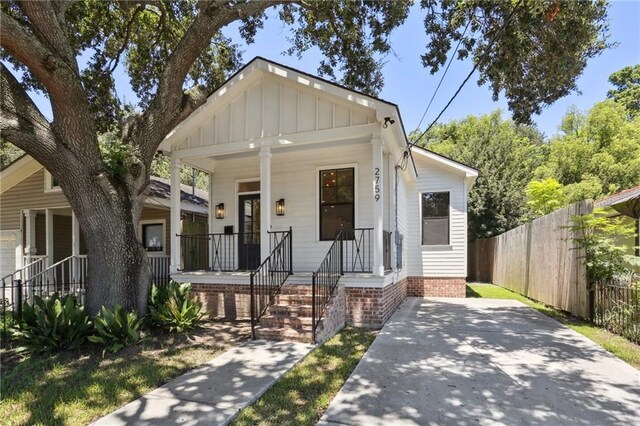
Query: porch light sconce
280	207
220	211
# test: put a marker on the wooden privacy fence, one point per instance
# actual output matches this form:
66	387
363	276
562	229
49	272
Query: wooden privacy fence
538	260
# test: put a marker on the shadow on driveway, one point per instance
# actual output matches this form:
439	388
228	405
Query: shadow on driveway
483	361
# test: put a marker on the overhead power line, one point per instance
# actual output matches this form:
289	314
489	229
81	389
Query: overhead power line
475	67
443	75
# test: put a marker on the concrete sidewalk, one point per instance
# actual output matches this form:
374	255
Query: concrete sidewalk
214	393
487	362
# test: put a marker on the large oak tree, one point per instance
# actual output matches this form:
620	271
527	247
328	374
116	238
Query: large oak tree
175	54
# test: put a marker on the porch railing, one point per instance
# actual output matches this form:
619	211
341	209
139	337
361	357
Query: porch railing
267	280
68	276
325	280
222	252
160	269
357	251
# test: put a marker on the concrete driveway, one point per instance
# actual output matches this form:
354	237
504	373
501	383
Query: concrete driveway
483	361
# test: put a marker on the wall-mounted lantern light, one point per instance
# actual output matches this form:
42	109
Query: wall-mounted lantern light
220	211
280	207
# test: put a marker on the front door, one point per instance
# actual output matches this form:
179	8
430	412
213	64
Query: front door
249	232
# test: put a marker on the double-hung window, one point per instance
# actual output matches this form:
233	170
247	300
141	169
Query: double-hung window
153	237
337	208
435	218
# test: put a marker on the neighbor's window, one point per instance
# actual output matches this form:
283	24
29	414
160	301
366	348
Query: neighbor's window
435	218
336	201
153	236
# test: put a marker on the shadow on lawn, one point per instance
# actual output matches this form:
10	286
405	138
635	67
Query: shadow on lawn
301	395
80	386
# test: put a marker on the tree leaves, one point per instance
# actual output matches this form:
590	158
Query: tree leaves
536	60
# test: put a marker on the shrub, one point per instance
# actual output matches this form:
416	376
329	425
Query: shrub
52	324
174	307
116	329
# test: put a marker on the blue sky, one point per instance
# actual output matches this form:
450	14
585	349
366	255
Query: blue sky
409	84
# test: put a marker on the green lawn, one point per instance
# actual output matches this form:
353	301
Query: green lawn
77	387
617	345
302	395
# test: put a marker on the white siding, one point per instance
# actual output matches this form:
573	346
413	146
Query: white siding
437	261
294	178
273	106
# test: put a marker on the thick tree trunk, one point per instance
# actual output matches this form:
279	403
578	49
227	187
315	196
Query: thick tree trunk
108	212
118	268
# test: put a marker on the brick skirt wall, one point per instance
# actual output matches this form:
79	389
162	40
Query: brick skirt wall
231	301
435	287
371	307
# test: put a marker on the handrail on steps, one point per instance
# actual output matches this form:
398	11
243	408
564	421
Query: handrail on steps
325	280
268	278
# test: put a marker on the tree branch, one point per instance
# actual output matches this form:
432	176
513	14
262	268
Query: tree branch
21	123
47	28
170	104
73	121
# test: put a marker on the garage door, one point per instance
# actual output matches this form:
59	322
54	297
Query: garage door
8	243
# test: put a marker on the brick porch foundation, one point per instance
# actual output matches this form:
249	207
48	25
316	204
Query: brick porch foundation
371	307
368	307
435	287
230	301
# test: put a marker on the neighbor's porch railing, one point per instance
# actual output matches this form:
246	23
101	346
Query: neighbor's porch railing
68	276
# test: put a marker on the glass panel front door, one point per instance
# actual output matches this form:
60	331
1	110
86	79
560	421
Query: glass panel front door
249	238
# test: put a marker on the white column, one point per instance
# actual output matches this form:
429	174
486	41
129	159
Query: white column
175	167
30	233
211	219
265	201
49	236
378	206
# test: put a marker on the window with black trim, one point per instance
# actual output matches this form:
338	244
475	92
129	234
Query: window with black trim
153	237
337	207
435	218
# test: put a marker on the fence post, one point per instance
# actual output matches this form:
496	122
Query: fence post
17	299
591	294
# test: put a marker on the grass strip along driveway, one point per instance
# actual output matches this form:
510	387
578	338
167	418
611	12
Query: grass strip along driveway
77	387
617	345
302	395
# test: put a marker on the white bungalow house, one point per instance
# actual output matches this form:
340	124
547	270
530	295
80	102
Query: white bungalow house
286	150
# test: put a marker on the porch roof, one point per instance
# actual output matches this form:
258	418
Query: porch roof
382	110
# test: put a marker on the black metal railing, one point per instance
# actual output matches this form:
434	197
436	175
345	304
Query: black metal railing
325	280
267	280
386	250
220	252
223	252
68	276
358	250
616	307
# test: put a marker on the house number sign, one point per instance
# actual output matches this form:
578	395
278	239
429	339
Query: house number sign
376	180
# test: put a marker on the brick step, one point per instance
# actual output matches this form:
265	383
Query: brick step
273	333
285	321
303	290
284	309
294	299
